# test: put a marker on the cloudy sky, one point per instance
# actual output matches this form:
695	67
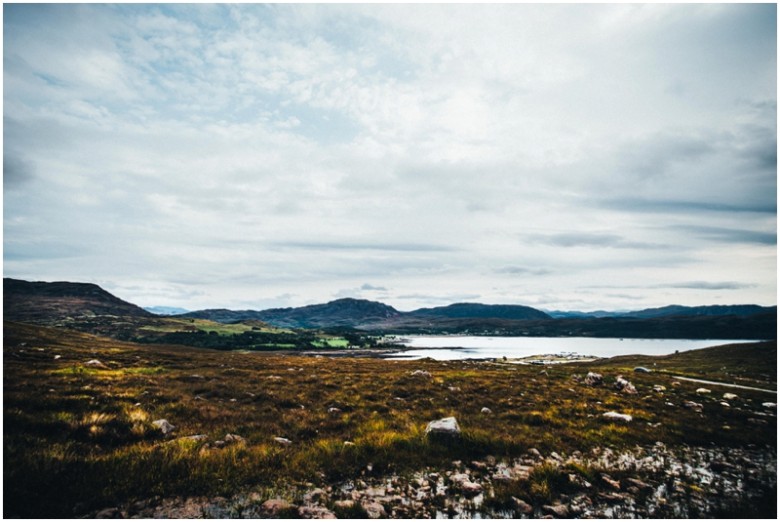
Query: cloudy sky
563	157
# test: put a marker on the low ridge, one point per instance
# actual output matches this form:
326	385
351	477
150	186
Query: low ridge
46	303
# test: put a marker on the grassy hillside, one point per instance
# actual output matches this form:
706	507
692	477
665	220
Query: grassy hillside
79	436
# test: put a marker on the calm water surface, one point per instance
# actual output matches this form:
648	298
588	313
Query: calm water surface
464	347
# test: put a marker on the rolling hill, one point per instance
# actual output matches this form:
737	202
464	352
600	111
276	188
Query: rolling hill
49	303
62	303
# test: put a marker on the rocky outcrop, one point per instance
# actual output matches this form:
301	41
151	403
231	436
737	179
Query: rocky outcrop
645	482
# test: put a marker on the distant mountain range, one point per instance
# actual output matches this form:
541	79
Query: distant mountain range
361	313
48	303
672	310
165	310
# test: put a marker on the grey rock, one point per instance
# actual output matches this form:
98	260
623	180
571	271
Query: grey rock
558	510
486	411
109	513
615	416
374	509
624	385
522	507
693	405
232	438
315	512
642	369
594	379
283	441
164	426
447	426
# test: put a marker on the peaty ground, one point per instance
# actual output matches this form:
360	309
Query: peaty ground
319	436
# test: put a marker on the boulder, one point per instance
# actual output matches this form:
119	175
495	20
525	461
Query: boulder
421	373
642	369
615	416
164	426
447	427
624	385
594	379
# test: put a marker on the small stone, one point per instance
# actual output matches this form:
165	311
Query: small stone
615	416
57	357
109	513
274	506
729	396
334	410
659	388
486	411
232	438
703	391
534	452
165	426
95	363
374	509
283	441
314	496
614	484
642	369
315	512
693	405
639	484
522	507
421	373
769	404
348	443
558	510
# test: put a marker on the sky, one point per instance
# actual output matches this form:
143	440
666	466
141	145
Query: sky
570	157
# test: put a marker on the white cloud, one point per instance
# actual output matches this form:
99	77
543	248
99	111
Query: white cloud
203	143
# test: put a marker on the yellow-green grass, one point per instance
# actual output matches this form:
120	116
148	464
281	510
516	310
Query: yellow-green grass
78	436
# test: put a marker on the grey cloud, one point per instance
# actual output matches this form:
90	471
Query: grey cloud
16	171
660	206
657	154
367	286
729	235
440	299
591	239
521	270
706	285
393	247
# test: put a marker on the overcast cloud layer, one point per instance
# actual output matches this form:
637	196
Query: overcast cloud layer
563	157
